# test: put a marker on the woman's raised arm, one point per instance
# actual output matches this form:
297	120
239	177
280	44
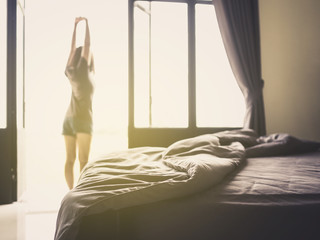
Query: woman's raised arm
86	46
73	41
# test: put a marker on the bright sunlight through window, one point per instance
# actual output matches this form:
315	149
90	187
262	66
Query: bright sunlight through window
49	27
161	78
220	102
161	69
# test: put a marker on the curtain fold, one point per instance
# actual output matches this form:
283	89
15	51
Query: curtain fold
239	26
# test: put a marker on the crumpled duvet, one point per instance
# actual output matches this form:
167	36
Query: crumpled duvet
149	174
143	175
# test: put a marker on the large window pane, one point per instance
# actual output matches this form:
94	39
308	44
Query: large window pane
168	65
3	63
142	64
219	100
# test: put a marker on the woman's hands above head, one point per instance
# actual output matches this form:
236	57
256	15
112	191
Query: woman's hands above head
79	19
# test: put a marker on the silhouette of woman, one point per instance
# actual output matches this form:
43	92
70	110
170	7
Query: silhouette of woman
77	125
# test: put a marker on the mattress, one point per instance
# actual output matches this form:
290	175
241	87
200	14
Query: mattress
265	198
226	185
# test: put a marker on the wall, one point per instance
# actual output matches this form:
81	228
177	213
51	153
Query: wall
290	49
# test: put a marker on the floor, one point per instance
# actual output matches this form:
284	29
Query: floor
33	217
18	224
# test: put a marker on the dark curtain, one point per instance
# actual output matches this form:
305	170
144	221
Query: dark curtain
239	26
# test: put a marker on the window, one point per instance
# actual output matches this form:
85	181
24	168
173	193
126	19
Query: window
219	101
180	80
162	76
3	63
161	64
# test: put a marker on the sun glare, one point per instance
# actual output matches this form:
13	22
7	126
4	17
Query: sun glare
49	27
220	102
161	68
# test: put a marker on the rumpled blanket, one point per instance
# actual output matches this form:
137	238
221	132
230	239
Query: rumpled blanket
149	174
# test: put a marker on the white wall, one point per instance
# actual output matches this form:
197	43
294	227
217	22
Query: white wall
290	48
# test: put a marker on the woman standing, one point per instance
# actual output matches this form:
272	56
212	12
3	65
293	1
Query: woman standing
77	125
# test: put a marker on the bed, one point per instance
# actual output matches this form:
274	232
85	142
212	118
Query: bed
227	185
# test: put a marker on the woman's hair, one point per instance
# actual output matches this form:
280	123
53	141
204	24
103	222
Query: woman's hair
77	56
92	69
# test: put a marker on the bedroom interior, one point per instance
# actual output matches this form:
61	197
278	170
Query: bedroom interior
290	68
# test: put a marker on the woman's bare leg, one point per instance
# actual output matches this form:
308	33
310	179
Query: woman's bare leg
84	143
70	143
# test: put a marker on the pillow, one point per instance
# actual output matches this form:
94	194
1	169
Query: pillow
280	144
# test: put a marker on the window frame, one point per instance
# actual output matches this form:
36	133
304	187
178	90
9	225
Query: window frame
10	149
156	136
